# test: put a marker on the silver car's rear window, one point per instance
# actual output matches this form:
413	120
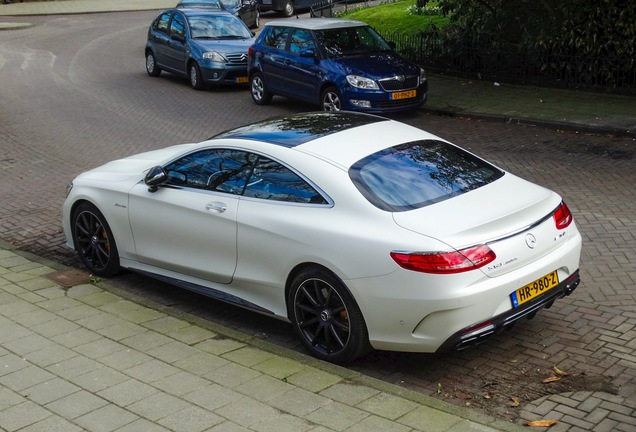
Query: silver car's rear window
420	173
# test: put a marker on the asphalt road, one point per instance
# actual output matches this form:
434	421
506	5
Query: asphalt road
74	94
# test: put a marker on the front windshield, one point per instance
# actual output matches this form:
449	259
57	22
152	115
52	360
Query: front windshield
343	42
204	4
231	3
218	27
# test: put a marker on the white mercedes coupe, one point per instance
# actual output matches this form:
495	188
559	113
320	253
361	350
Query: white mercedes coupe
361	231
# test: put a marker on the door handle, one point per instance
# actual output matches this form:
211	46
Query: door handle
216	206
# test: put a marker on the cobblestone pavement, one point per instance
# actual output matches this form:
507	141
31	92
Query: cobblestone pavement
75	94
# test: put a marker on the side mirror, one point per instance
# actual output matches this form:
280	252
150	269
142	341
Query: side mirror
391	45
308	52
155	177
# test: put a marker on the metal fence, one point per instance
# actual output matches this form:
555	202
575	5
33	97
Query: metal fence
506	64
514	65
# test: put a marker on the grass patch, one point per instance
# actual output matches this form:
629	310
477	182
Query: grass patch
394	17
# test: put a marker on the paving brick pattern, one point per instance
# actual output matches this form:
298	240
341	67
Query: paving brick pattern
129	367
68	107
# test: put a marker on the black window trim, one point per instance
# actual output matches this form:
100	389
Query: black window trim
329	202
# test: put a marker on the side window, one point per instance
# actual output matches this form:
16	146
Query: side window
300	40
177	27
216	169
272	181
161	23
276	37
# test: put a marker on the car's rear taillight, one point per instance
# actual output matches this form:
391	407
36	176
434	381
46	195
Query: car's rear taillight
250	50
445	262
562	216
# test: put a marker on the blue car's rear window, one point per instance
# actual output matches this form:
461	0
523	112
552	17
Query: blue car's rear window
419	173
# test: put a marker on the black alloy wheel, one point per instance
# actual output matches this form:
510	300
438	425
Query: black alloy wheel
94	241
326	318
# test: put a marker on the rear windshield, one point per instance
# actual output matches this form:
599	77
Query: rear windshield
419	173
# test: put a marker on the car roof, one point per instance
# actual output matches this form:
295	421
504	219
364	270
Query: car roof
191	12
339	137
317	23
297	129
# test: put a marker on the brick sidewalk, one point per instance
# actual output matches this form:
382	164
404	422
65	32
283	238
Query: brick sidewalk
83	358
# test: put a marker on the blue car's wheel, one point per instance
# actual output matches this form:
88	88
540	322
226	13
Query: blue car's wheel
196	80
331	100
260	94
151	65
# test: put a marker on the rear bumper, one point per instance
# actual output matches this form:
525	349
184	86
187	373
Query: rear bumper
476	334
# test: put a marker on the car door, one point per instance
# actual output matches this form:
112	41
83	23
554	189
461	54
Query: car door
158	37
273	59
248	12
189	225
304	76
276	211
175	49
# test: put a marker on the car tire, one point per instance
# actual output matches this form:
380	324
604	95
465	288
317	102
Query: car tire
151	65
258	89
330	100
194	73
94	241
289	9
326	317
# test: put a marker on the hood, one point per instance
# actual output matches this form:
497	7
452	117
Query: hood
222	46
135	165
377	65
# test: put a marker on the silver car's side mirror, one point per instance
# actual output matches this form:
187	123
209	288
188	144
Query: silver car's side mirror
155	177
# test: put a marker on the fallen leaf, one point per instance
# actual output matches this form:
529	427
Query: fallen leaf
552	379
488	395
542	423
559	371
515	402
463	396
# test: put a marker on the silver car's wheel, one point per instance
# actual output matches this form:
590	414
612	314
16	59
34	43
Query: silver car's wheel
330	100
260	95
94	241
326	317
196	80
151	65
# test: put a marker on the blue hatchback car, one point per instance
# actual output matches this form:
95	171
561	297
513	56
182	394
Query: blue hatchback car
207	47
338	64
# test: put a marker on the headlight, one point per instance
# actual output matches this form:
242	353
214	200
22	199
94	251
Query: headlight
214	56
362	82
69	188
422	75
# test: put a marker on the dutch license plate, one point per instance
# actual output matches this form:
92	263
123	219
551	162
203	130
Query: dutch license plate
403	95
534	289
267	1
241	80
